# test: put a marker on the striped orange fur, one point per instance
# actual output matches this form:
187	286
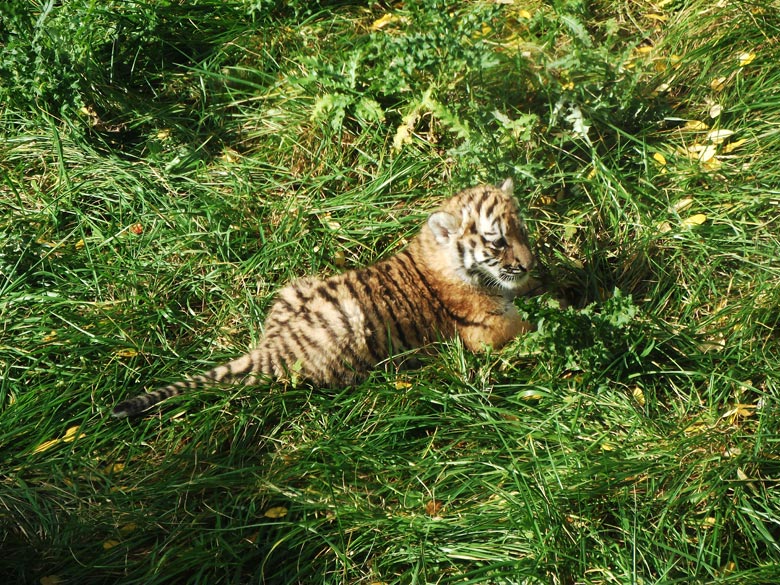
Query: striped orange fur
458	277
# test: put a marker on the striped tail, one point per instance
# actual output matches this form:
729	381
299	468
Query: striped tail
247	368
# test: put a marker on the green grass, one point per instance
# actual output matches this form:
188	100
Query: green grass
166	166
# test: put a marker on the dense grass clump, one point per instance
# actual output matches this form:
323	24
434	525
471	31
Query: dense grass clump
166	166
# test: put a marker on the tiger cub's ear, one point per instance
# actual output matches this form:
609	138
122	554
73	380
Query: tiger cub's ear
443	225
508	186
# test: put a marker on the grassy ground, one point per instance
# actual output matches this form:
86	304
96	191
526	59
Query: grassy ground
166	166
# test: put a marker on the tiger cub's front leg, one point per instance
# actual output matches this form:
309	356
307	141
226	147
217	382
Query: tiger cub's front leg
494	330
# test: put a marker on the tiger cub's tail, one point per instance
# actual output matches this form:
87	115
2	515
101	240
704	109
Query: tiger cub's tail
247	368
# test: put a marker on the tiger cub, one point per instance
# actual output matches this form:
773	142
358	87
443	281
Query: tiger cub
458	276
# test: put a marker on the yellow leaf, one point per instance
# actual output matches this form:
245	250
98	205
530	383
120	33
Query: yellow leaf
80	244
695	125
163	134
109	544
643	50
70	434
659	158
384	21
524	14
708	522
402	385
712	164
718	83
657	17
734	145
746	58
718	136
113	468
403	135
701	152
683	204
50	580
230	156
45	446
696	428
69	437
638	395
50	337
126	353
695	219
715	110
128	528
276	512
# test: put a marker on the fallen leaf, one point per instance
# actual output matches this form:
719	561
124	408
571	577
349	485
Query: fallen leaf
403	134
746	58
683	204
695	125
718	136
137	229
702	152
126	353
50	580
659	158
718	84
433	508
384	21
734	145
113	468
275	512
109	544
708	522
68	437
715	110
695	219
638	395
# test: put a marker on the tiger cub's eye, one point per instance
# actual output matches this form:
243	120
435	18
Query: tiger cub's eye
498	244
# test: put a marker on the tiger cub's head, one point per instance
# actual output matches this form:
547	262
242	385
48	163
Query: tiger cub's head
484	237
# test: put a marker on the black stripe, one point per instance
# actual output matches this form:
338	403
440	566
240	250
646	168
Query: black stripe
333	300
353	357
491	208
371	340
378	316
385	282
411	312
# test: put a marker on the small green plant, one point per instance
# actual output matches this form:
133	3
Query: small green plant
595	340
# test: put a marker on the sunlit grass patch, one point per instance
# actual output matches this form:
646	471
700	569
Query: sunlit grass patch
187	160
